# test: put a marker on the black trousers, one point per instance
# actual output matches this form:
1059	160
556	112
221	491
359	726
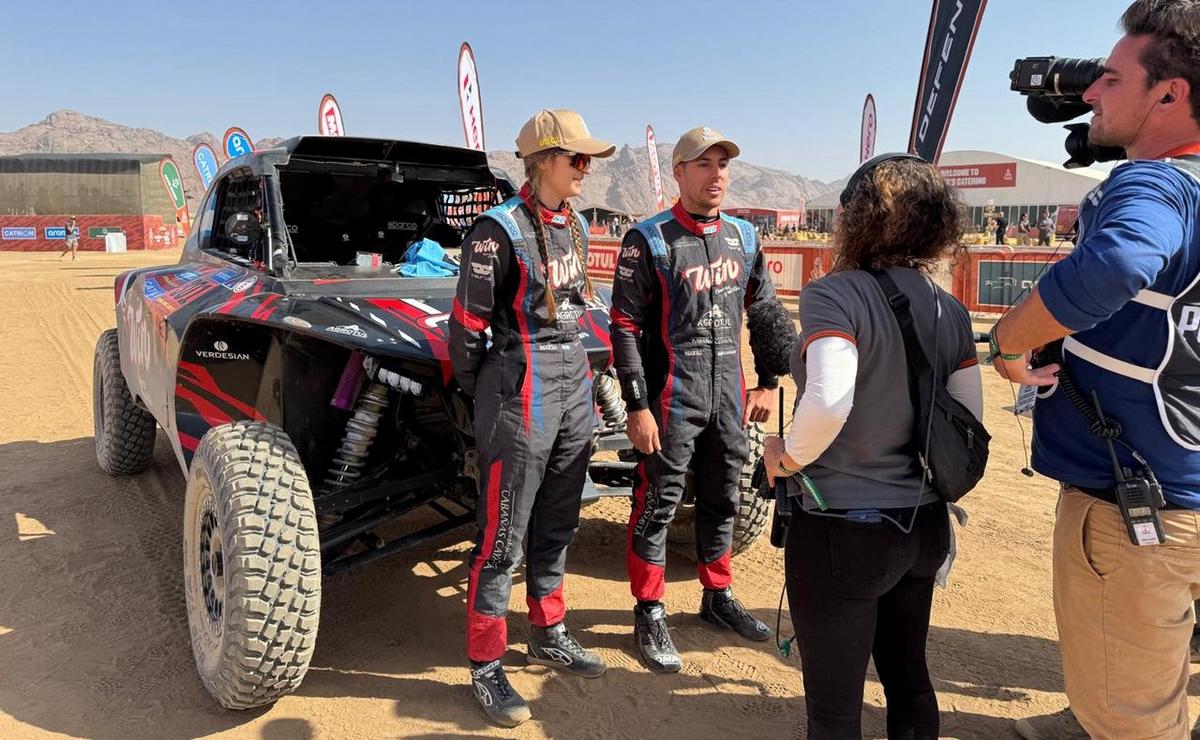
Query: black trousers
858	591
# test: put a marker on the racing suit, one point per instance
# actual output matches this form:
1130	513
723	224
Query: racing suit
678	296
534	413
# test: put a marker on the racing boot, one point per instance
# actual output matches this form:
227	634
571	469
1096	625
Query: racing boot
654	644
500	701
554	646
721	609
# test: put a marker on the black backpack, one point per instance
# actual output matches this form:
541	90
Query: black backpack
951	444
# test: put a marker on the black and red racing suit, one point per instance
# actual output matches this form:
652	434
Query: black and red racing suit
678	298
534	413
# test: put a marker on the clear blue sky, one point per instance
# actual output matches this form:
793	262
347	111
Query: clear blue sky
784	79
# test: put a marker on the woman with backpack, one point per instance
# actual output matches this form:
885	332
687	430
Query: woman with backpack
869	532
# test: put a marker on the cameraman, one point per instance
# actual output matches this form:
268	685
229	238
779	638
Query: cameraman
1124	301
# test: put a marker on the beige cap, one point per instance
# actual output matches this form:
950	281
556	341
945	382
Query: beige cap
560	129
698	141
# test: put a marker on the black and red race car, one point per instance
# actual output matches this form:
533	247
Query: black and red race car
298	365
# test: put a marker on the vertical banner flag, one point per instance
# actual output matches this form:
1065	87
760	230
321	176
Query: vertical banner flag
236	143
655	176
469	100
329	117
867	140
205	160
953	25
174	185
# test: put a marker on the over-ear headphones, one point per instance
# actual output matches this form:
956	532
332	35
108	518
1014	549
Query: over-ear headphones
866	168
1168	98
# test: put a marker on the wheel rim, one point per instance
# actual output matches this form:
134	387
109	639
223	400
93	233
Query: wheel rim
210	560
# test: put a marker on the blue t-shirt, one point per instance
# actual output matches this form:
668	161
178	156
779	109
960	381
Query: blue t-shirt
1137	230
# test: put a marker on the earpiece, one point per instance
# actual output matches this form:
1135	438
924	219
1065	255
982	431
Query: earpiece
1168	98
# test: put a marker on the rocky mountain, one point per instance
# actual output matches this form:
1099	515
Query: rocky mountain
621	183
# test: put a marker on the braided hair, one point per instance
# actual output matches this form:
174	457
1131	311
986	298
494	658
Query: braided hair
533	176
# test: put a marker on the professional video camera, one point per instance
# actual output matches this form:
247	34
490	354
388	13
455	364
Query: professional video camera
1055	90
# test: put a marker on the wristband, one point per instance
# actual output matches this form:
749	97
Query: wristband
994	348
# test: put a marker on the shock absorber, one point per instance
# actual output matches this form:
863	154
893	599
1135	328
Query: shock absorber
351	456
608	398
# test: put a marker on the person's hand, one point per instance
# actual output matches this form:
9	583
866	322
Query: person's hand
772	456
643	432
1018	371
758	406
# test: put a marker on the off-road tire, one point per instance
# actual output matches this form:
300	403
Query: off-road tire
753	512
254	605
124	430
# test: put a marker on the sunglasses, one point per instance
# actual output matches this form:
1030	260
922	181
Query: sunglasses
581	162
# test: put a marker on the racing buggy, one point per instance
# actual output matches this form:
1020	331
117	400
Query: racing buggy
296	359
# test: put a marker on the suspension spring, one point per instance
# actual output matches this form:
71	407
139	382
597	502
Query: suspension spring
351	456
608	398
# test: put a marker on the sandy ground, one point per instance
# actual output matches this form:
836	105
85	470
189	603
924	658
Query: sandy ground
94	639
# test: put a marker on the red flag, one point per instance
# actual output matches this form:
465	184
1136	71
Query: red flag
469	100
655	175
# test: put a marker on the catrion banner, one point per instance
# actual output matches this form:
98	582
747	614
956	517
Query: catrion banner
174	184
236	143
867	139
655	175
469	99
205	159
329	117
953	26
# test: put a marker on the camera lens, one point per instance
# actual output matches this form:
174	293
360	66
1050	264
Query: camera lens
1073	76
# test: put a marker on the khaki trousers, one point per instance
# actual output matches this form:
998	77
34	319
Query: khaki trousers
1124	618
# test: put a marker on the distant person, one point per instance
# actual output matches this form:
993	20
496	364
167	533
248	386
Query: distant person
1045	230
72	236
1024	231
1001	228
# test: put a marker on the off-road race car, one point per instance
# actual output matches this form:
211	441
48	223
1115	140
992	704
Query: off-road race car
304	384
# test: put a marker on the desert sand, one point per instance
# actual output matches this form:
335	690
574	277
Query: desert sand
94	639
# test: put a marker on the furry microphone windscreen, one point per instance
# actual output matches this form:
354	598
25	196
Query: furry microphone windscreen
772	336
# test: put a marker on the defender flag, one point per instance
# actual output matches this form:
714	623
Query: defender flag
329	117
655	176
469	100
867	139
953	26
205	160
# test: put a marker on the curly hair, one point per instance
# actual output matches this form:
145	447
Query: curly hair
903	214
1174	27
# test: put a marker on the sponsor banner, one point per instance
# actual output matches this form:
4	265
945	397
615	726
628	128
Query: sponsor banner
992	278
236	143
12	233
469	100
803	212
174	184
1068	214
655	175
47	233
1001	175
602	259
953	25
205	160
329	117
866	139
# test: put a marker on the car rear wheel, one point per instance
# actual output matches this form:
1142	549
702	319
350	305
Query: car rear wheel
753	512
252	564
124	430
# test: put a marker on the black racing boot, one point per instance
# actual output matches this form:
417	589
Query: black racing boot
555	647
653	641
721	609
500	701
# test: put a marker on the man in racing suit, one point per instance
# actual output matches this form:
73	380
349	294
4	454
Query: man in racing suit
683	279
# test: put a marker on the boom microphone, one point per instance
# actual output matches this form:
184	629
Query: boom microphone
772	337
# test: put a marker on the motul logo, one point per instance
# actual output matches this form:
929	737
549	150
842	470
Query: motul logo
564	270
724	270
